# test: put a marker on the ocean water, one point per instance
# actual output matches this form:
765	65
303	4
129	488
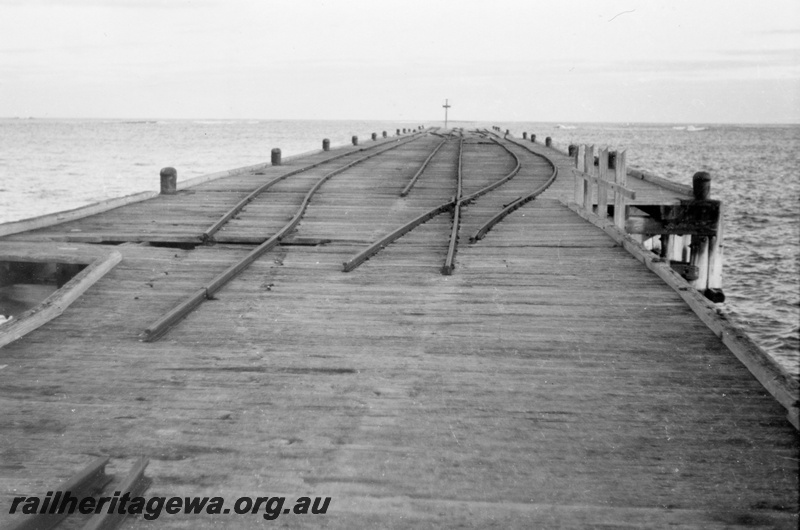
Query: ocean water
52	165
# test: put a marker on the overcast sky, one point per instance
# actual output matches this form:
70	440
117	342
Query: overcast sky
694	61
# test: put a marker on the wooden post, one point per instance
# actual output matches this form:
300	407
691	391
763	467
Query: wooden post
621	178
276	157
715	245
699	259
685	244
701	188
664	245
169	181
355	140
548	142
602	191
579	181
588	168
326	145
674	247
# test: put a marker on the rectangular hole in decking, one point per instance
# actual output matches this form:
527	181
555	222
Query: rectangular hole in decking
24	285
173	244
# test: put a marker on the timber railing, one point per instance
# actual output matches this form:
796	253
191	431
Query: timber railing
594	181
678	238
680	241
688	234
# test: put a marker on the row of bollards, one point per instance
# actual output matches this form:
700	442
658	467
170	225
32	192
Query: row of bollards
572	151
548	142
169	175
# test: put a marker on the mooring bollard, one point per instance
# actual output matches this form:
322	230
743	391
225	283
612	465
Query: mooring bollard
374	136
701	186
398	132
701	189
276	157
384	134
524	136
572	150
355	140
548	142
326	144
533	138
169	181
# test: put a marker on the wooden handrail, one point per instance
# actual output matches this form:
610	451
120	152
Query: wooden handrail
627	192
585	177
690	232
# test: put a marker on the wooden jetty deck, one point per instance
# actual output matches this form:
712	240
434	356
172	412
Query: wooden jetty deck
551	381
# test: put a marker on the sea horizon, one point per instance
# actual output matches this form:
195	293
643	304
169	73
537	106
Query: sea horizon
428	123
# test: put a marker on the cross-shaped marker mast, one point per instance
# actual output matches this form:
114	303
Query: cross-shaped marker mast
446	106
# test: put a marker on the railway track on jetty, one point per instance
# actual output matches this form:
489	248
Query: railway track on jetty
551	356
159	327
479	182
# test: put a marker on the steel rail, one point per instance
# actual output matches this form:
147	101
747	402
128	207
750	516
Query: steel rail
413	180
383	242
134	485
484	229
374	248
85	483
208	235
447	268
499	182
158	328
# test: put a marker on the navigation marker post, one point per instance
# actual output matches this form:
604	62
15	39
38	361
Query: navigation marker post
446	106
